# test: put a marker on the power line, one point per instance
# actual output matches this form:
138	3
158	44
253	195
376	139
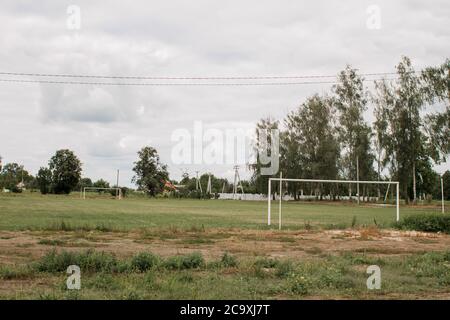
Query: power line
179	83
186	78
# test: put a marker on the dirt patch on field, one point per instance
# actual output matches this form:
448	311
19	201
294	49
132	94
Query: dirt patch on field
25	246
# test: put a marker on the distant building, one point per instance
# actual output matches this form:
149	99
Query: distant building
21	185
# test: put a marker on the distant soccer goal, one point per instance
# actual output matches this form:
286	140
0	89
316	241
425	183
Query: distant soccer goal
281	180
118	191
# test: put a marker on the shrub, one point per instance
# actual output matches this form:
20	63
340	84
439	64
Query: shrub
16	189
228	260
354	221
54	262
51	242
185	277
88	261
144	261
284	269
190	261
430	264
103	281
150	280
426	222
123	192
8	273
299	285
266	263
65	226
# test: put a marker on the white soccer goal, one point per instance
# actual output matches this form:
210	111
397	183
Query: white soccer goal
118	191
281	180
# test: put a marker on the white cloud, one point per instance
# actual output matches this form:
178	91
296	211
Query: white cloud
106	125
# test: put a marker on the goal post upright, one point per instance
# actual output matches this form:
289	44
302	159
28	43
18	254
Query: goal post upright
269	196
281	179
279	205
398	201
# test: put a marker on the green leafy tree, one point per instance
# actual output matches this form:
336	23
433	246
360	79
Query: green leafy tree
216	183
44	180
350	100
101	184
446	183
427	179
66	171
84	182
150	173
263	128
436	87
405	126
14	177
290	153
383	99
409	141
313	149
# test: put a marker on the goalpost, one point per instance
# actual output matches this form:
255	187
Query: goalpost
118	191
281	179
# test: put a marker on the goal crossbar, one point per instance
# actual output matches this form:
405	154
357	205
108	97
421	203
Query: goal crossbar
118	191
281	179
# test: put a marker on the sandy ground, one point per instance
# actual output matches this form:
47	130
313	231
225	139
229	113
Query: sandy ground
26	246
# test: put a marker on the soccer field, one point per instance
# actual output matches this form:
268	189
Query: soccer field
140	248
34	211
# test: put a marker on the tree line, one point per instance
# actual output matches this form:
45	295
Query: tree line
63	175
327	137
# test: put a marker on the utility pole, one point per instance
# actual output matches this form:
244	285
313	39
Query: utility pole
237	182
208	187
281	198
234	183
196	180
198	185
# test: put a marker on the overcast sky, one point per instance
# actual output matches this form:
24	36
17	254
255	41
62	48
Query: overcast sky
107	125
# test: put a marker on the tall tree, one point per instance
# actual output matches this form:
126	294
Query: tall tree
401	104
312	149
436	87
290	152
100	183
12	175
84	182
151	174
263	131
44	180
383	99
446	185
66	171
407	124
350	100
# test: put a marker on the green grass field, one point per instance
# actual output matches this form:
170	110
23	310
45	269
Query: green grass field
34	211
140	248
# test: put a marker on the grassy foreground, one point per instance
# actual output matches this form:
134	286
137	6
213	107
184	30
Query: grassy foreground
146	276
34	211
141	248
